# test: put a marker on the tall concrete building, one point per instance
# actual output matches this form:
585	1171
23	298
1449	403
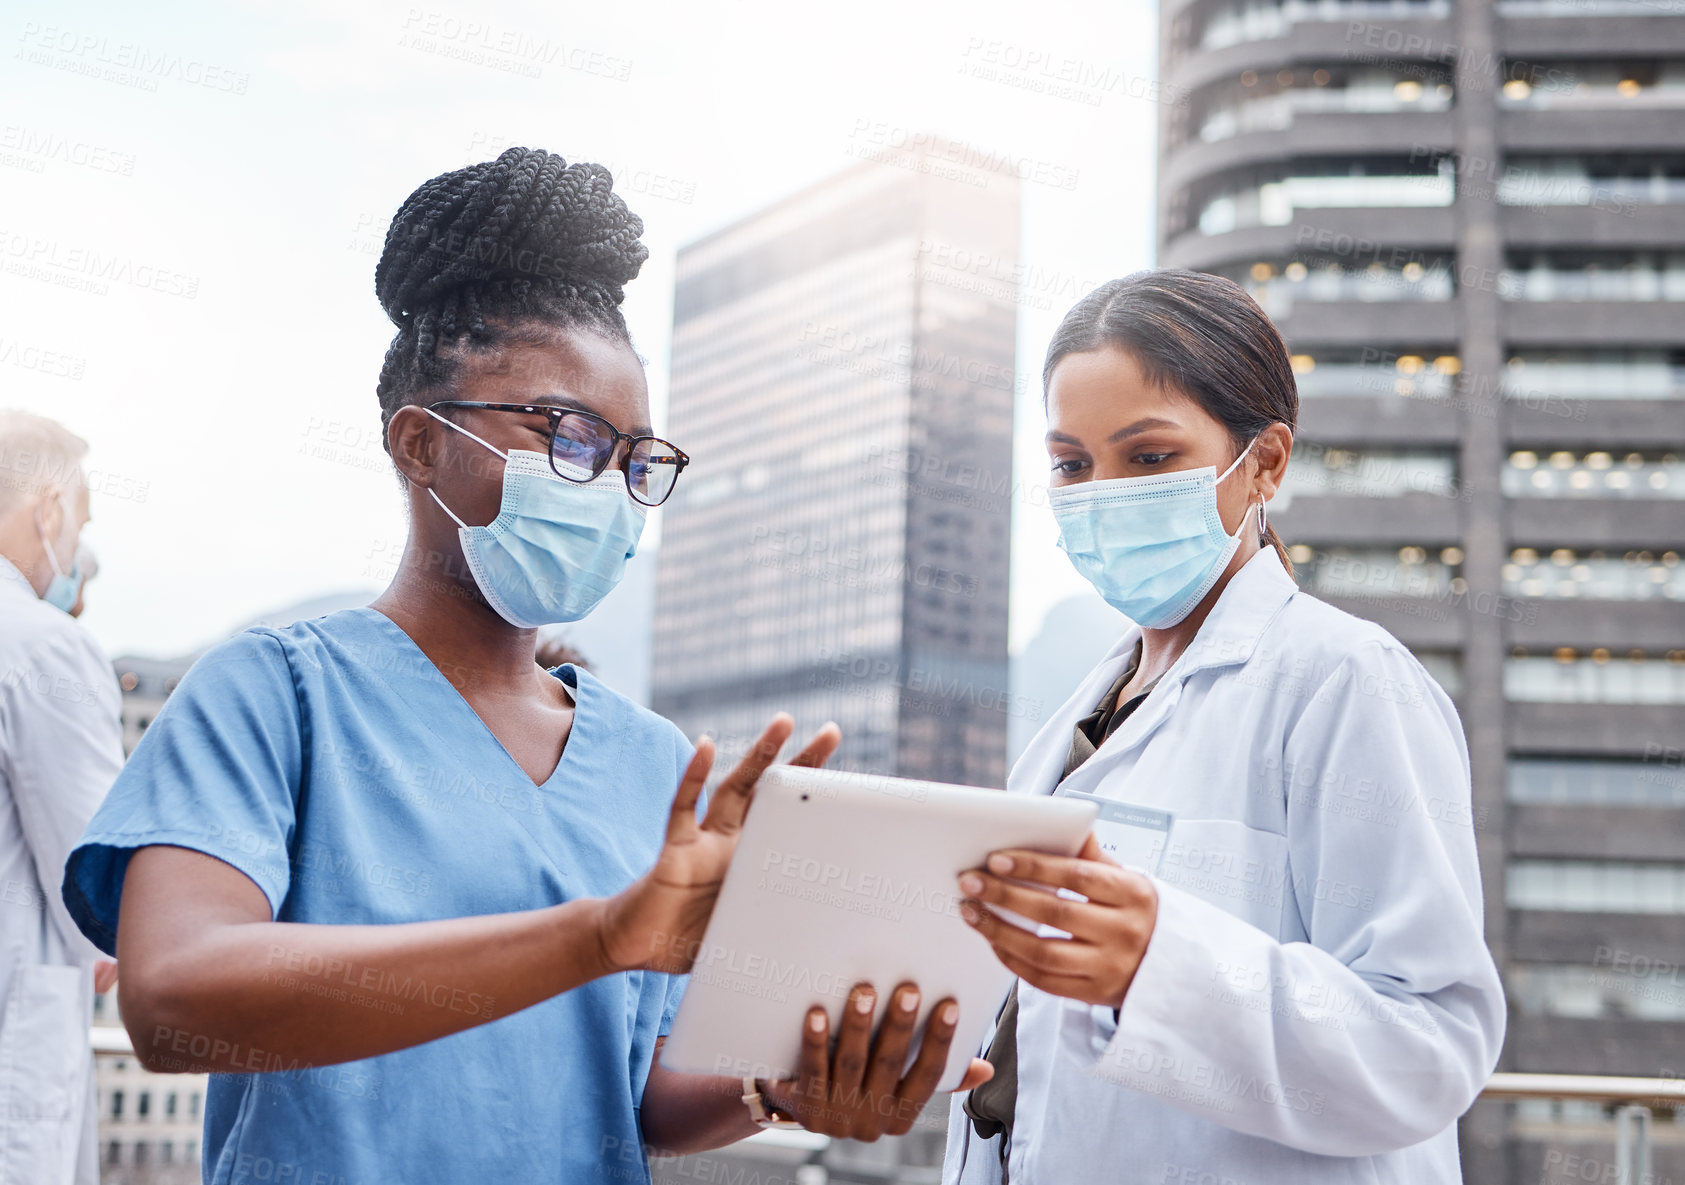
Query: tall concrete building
842	377
1468	219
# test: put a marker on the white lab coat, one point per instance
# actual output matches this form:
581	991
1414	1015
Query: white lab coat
61	746
1316	1003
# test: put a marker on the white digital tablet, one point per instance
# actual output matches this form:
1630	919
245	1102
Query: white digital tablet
843	878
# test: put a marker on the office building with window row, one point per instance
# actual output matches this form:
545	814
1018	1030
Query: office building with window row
843	379
1466	218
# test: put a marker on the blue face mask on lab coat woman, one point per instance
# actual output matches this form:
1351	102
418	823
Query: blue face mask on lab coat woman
1151	546
556	547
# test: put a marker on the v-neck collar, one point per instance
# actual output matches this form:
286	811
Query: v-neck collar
576	691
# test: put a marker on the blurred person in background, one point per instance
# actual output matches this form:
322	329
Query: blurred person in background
87	565
61	746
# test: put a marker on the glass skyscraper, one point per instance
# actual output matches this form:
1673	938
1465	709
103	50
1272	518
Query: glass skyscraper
843	377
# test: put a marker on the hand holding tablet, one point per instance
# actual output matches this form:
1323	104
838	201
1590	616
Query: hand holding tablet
846	879
863	1088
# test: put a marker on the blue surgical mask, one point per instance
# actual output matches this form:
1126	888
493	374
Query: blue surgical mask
556	547
64	587
1153	546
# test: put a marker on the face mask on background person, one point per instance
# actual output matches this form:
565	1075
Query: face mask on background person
1151	546
556	547
64	587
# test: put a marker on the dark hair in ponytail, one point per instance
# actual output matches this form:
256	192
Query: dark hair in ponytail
499	252
1197	334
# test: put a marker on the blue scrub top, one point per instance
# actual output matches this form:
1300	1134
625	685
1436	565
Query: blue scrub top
334	765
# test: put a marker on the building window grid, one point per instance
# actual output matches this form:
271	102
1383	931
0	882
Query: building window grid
1595	886
1412	372
1588	991
1611	183
1595	374
1271	101
1235	21
1593	276
1279	286
1593	473
1409	571
1239	203
1318	470
1567	574
1602	782
1598	676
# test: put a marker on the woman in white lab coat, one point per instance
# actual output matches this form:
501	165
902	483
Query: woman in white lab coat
1285	980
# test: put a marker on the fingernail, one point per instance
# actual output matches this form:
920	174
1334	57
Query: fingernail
864	1002
950	1013
816	1022
971	884
909	1001
1000	863
970	913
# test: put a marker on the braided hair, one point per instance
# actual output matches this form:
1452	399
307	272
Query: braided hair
500	252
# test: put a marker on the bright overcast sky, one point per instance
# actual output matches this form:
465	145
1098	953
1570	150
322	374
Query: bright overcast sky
227	172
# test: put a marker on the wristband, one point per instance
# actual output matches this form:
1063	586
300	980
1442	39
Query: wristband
763	1116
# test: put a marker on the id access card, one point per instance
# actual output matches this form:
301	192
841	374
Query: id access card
1134	836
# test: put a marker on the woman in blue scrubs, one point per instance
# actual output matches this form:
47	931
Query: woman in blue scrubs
420	906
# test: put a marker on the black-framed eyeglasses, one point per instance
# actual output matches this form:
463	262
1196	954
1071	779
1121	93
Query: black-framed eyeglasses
582	440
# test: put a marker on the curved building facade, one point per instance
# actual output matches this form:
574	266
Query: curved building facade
1468	219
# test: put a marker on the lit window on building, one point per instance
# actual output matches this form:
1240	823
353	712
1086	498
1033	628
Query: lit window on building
1273	196
1410	571
1635	987
1604	182
1600	675
1277	286
1594	473
1326	471
1595	886
1594	275
1534	377
1584	84
1234	21
1589	781
1567	574
1414	373
1269	102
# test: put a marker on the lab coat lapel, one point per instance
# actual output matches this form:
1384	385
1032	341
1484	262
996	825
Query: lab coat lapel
1228	637
1039	768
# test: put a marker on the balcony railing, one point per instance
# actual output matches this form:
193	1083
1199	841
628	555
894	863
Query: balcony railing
1637	1101
111	1039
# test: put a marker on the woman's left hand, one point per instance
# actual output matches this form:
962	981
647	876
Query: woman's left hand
1108	932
